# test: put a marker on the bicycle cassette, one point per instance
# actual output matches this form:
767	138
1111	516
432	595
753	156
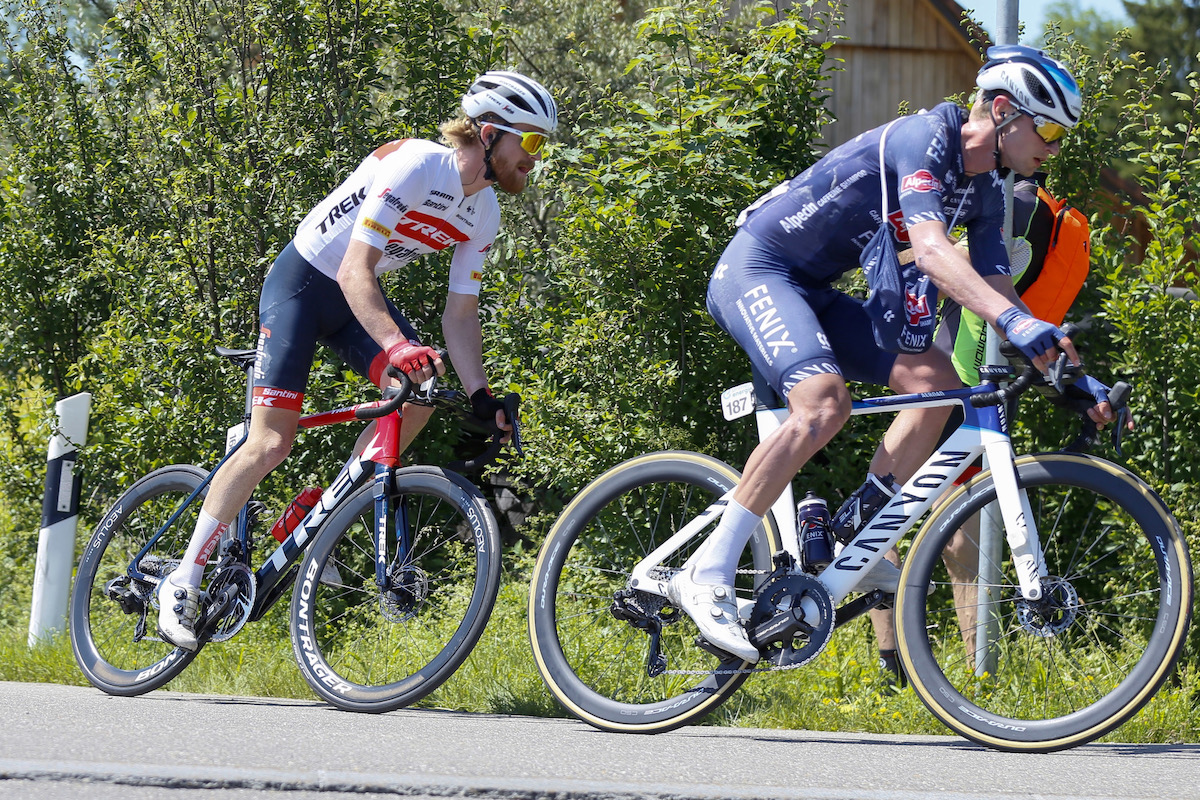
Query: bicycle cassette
778	627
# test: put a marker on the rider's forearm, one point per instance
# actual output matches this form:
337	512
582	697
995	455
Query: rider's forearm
953	274
464	340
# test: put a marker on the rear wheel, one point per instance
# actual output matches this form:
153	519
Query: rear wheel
598	640
1045	675
114	615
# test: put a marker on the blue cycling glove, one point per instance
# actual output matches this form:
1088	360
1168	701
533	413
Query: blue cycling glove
1095	388
1080	395
1031	336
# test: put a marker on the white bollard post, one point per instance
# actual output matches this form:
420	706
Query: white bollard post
60	516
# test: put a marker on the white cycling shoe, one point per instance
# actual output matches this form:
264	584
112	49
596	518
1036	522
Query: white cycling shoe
178	607
714	610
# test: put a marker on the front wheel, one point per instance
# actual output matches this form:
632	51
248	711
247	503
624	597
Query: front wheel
114	615
1039	676
366	647
619	658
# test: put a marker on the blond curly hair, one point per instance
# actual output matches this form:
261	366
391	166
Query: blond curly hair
459	132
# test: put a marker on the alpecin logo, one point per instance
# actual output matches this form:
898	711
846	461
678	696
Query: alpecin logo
920	181
916	305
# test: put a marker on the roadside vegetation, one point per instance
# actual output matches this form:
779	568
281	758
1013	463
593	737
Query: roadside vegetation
156	156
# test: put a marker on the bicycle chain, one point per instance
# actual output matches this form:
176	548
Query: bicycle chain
772	668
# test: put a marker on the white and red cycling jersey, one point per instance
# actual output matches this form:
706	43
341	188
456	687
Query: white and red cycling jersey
406	199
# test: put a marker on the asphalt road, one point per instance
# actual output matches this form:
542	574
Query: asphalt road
73	742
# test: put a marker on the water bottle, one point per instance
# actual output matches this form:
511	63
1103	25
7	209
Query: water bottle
296	511
859	507
816	540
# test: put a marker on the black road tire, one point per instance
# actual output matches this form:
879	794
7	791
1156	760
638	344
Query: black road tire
594	664
102	634
1060	679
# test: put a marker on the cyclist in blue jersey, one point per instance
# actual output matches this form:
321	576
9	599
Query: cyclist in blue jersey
772	291
406	199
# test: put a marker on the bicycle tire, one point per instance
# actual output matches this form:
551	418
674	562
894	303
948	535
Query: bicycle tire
1066	671
594	664
108	647
364	650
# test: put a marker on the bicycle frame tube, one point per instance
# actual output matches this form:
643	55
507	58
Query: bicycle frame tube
132	570
644	574
380	455
983	430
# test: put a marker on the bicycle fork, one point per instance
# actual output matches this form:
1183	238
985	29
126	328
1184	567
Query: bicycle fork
1029	562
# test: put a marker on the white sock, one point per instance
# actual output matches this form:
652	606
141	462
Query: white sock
204	542
715	561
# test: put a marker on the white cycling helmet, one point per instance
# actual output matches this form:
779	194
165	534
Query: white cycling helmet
514	98
1040	85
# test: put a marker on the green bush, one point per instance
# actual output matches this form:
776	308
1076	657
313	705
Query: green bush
615	351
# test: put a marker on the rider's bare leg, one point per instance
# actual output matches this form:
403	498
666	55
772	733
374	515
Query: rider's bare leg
818	407
909	441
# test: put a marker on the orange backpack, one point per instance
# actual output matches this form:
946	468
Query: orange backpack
1068	258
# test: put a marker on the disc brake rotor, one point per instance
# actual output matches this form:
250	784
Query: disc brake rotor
1056	611
410	588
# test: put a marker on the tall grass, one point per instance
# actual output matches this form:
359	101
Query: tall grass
842	690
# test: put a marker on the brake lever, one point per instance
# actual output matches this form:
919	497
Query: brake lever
1118	398
512	404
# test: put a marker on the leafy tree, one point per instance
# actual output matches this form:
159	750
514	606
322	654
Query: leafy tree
617	354
151	173
1162	34
1140	296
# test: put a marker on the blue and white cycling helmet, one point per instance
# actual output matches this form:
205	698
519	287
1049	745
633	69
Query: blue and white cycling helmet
1039	85
514	98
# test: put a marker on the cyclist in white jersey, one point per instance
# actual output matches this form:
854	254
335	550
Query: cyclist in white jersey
406	199
773	292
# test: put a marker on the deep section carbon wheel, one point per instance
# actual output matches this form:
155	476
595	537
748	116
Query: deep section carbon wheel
1036	676
620	658
114	614
366	647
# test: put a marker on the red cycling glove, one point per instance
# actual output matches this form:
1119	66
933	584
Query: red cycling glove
411	356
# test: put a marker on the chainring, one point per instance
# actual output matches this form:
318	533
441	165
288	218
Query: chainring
778	624
235	578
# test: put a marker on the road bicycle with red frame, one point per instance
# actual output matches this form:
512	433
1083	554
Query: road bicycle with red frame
394	571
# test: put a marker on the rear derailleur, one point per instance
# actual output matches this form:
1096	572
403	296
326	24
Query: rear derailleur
649	613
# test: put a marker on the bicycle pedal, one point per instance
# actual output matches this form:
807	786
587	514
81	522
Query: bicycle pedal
713	650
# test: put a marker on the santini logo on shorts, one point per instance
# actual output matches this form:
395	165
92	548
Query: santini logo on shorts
278	398
920	181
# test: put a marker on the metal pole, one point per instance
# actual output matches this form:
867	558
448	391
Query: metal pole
990	525
60	515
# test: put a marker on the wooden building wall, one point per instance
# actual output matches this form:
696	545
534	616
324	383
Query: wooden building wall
895	51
